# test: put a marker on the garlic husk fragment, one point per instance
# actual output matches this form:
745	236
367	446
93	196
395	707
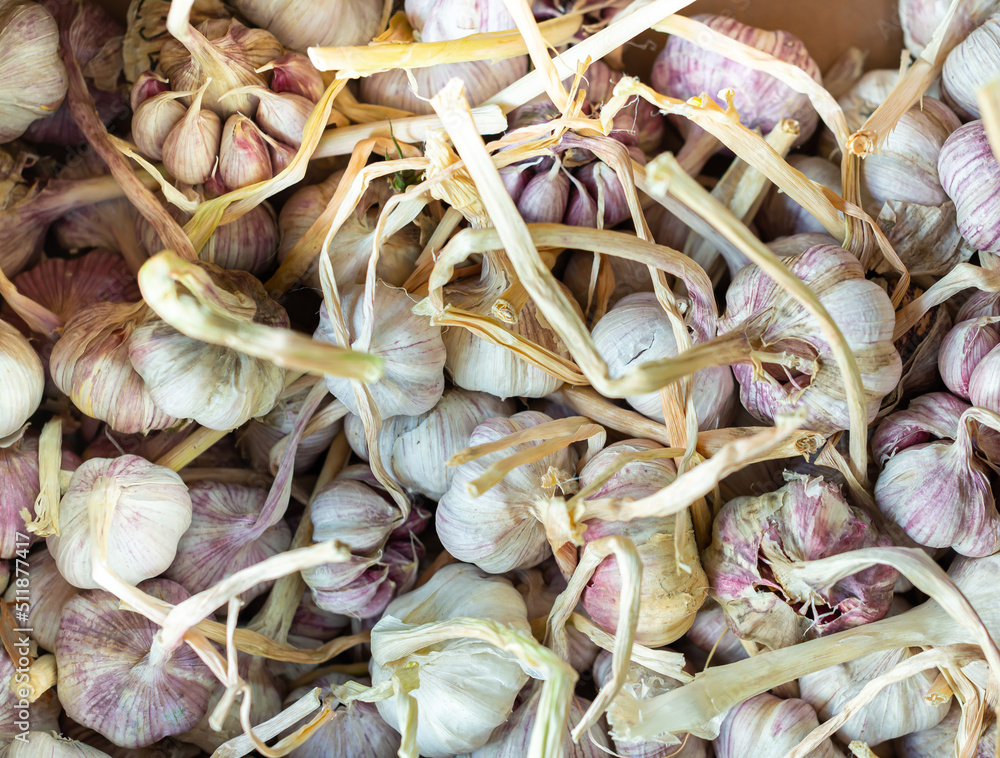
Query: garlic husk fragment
439	21
756	544
941	738
500	530
154	510
781	216
970	66
411	346
638	330
299	25
43	713
37	744
642	683
90	363
23	383
221	539
673	583
774	321
466	687
416	449
920	18
32	74
897	710
125	693
217	386
768	725
48	592
971	176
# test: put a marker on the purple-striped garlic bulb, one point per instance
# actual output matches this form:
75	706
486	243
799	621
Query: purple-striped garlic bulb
153	510
502	529
971	176
410	345
781	216
114	679
313	622
440	21
710	634
771	320
934	484
48	592
227	534
751	564
768	725
920	19
637	330
416	449
968	360
670	594
941	738
24	382
971	65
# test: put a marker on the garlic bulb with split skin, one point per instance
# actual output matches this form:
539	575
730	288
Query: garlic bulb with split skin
971	176
768	725
439	21
971	65
416	449
501	530
411	346
32	76
152	512
23	383
110	681
465	688
756	542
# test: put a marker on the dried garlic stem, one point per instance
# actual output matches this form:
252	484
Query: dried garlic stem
41	678
962	277
538	50
190	448
988	98
300	709
46	521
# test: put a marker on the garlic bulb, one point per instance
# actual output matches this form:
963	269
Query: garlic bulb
23	382
897	710
638	330
412	348
710	634
971	65
351	247
971	177
152	512
906	166
466	687
756	542
940	491
42	714
298	25
768	725
168	747
49	745
109	680
222	55
941	738
966	359
920	18
48	592
90	363
772	320
33	76
416	449
796	244
439	21
222	538
501	530
780	215
671	594
217	386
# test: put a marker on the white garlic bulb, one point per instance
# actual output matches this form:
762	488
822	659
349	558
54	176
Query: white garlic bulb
410	345
301	24
971	65
638	330
501	530
466	687
151	514
416	449
23	382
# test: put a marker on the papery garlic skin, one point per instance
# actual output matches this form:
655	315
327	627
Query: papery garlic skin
23	382
439	21
768	725
32	76
416	449
897	710
499	531
410	345
971	176
970	66
539	587
920	18
670	595
110	682
638	330
940	739
756	543
152	512
466	687
774	321
48	592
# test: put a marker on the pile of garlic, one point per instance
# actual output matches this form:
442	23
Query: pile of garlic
377	383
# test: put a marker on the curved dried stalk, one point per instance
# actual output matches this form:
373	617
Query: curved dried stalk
46	520
962	277
988	98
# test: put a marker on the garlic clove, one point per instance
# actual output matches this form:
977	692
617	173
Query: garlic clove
111	682
243	153
294	72
970	176
963	349
935	415
153	120
353	513
768	725
192	145
543	200
410	345
153	511
581	208
24	383
148	84
516	177
282	115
